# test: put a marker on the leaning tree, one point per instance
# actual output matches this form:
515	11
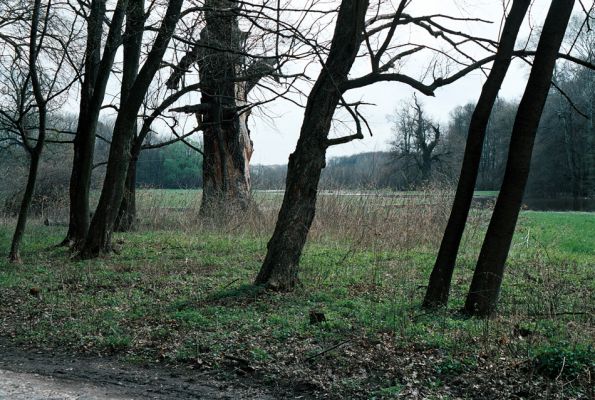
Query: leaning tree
440	279
373	39
489	271
99	59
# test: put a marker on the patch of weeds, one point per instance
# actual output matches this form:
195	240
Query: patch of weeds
563	360
192	318
453	366
259	354
116	342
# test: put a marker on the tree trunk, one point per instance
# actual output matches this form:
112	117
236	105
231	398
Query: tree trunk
226	167
590	169
97	74
280	268
440	279
227	144
125	221
98	239
487	279
34	152
14	255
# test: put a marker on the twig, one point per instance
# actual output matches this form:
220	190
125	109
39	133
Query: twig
327	350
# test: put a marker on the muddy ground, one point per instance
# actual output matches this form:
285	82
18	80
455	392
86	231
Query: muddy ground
34	375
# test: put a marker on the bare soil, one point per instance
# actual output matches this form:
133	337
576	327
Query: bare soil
35	375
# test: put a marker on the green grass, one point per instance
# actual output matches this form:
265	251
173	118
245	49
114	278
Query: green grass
187	298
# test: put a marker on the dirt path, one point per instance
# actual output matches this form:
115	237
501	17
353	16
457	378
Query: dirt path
36	376
23	386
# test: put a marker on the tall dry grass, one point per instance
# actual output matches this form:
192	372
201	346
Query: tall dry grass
364	219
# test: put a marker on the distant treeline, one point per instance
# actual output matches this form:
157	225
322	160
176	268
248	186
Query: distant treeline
421	152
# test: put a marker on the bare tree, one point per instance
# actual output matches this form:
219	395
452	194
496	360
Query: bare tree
133	40
97	71
232	62
36	80
280	268
416	138
98	238
487	279
439	286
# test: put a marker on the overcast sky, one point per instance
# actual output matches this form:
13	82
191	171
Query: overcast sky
273	142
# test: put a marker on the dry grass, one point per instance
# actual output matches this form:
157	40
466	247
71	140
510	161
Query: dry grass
366	220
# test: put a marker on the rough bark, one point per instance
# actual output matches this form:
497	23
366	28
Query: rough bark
439	286
487	279
227	76
98	239
97	72
227	144
133	38
280	268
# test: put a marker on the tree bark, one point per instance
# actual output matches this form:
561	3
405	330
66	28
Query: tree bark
226	78
126	219
93	89
440	279
98	239
14	255
487	279
227	144
133	38
280	268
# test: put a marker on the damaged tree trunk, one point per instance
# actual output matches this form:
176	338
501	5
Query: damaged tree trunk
226	79
280	268
487	279
440	279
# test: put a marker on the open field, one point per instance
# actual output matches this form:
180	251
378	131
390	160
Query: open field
183	296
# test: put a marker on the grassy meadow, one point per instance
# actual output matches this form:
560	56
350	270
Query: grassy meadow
178	292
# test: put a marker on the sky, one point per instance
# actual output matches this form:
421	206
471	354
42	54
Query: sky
275	140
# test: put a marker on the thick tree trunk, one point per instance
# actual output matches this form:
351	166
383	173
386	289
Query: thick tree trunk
426	167
100	231
226	163
280	268
227	144
97	74
487	279
440	279
14	255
